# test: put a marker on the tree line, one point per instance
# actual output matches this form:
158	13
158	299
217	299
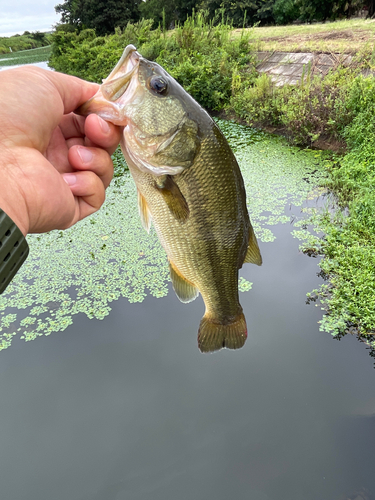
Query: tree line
105	15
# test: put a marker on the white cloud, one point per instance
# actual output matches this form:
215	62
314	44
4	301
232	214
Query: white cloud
27	15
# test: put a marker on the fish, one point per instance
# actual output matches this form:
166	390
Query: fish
189	186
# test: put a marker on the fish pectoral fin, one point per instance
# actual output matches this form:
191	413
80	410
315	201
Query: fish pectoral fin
174	198
253	253
144	211
185	290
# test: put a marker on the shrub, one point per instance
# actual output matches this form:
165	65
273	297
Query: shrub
201	56
313	108
90	57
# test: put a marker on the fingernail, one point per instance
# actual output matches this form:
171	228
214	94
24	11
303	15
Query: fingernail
85	154
70	179
104	125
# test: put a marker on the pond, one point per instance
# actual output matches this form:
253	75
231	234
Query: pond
117	402
43	64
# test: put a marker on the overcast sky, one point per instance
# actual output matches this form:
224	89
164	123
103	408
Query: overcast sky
17	16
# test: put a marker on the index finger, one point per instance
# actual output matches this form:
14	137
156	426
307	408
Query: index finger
73	90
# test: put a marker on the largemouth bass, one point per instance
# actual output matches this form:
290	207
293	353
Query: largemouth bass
189	184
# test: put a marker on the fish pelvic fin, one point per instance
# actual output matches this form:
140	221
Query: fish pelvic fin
174	198
185	290
253	253
213	336
144	211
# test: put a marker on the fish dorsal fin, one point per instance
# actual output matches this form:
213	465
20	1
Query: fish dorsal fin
253	253
173	198
185	290
144	211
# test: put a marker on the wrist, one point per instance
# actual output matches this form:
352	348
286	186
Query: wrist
11	197
13	250
16	216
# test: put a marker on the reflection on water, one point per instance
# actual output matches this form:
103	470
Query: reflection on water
127	407
43	65
123	406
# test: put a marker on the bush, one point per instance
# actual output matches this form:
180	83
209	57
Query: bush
313	108
349	242
202	57
24	42
204	60
90	57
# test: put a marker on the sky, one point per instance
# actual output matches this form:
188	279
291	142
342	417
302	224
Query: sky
17	16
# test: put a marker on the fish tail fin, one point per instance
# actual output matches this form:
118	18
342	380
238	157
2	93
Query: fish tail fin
213	336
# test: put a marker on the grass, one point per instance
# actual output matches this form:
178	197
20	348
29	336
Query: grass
348	36
25	56
23	42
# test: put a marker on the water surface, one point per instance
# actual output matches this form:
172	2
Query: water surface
125	407
43	64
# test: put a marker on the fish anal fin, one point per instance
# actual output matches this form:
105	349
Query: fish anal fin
214	335
144	211
253	253
174	199
185	290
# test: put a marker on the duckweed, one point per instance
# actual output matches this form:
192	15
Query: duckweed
108	255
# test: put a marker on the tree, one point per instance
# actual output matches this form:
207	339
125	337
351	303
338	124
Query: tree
234	12
286	11
370	7
156	9
321	10
174	10
102	15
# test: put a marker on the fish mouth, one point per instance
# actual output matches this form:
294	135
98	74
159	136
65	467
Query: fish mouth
103	103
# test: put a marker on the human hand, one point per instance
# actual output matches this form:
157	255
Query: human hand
54	165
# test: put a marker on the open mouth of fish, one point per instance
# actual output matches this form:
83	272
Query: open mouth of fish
124	77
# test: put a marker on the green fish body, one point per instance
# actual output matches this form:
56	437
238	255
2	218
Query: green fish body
189	185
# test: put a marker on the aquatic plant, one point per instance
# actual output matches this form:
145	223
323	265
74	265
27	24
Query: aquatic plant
109	255
275	174
348	245
26	56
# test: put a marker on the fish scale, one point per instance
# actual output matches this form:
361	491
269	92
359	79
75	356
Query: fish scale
204	249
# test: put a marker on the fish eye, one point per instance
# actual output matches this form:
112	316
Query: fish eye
158	84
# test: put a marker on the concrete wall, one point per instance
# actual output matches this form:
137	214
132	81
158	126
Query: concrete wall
288	67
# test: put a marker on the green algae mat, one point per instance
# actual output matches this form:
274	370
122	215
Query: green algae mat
109	256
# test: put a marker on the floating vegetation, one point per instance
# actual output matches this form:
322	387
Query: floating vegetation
275	175
26	56
109	255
